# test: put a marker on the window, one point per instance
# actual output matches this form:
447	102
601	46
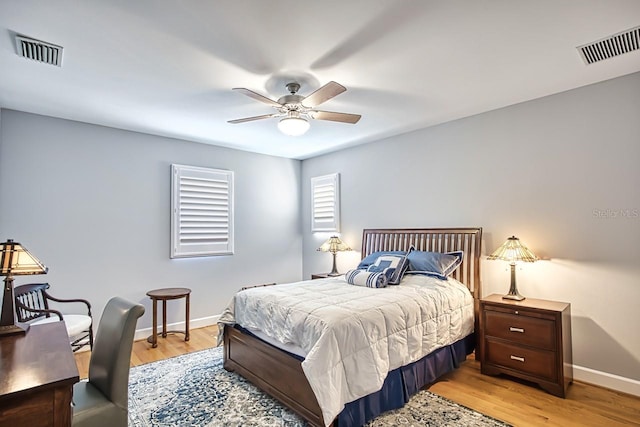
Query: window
325	203
201	211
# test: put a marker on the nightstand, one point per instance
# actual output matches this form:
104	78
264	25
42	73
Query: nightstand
528	339
319	276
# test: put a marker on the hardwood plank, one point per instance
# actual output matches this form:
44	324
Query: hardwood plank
509	399
525	404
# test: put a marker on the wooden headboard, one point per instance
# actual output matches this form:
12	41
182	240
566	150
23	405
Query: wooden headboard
467	240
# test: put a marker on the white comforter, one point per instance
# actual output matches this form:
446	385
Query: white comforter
353	336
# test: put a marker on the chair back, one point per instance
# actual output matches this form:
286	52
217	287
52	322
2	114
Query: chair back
32	296
111	354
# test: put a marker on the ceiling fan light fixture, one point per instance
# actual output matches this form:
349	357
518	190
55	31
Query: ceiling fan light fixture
296	110
293	126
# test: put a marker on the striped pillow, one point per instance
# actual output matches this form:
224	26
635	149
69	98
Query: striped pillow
366	278
393	266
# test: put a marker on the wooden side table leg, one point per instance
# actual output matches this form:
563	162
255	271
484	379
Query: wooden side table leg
186	333
154	334
164	318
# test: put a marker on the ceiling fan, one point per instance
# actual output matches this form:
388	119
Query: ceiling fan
296	110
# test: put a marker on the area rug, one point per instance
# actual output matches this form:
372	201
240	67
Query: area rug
195	390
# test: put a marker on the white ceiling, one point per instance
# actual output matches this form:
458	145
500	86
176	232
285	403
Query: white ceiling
167	67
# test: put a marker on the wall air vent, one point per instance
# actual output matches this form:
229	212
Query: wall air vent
38	50
617	44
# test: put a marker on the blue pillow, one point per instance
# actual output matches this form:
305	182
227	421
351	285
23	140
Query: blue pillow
435	264
366	278
371	258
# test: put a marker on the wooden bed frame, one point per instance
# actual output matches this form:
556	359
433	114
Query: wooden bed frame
280	375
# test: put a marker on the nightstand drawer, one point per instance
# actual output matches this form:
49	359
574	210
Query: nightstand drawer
539	363
520	329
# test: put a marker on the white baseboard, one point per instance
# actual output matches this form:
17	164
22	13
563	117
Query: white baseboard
179	326
604	379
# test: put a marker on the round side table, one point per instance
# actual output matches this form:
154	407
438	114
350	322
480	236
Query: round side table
164	295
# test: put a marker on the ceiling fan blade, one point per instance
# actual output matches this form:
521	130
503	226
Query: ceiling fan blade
250	119
336	117
257	96
323	94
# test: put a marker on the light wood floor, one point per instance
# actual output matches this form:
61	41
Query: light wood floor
524	404
171	346
510	400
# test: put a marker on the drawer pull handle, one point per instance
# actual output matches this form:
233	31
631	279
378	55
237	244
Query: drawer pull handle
518	358
512	329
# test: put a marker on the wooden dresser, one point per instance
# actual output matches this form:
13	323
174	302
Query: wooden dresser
529	339
37	373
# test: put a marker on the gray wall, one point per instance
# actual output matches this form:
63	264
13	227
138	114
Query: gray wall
93	204
560	172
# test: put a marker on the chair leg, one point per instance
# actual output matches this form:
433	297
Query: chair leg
80	342
91	337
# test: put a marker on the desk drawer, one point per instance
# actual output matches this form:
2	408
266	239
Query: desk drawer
539	363
33	409
520	329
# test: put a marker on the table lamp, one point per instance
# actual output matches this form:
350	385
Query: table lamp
15	260
513	251
334	245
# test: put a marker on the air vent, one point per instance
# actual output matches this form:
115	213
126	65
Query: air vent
38	50
617	44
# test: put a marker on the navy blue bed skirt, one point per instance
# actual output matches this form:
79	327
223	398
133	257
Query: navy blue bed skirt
401	383
404	382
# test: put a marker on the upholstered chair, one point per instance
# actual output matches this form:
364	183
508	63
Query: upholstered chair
33	307
103	399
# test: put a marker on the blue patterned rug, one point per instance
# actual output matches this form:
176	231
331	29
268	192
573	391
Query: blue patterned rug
195	390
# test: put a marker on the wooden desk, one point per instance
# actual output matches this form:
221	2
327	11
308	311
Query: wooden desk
37	373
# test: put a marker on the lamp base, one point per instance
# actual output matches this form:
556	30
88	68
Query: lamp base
515	297
19	328
334	269
8	324
513	289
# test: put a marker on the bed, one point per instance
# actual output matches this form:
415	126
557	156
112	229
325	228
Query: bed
279	372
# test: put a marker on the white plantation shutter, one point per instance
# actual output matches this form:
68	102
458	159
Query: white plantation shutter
325	203
201	211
